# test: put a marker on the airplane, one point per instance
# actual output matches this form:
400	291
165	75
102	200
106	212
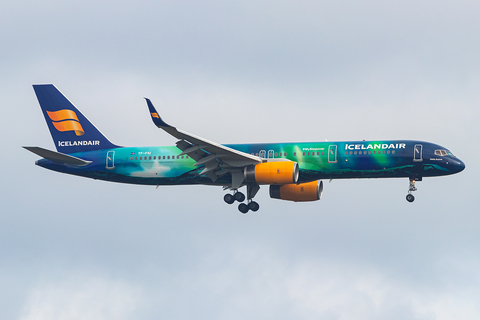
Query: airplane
293	171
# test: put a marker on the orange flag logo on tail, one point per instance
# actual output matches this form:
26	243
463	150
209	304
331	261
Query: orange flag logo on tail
155	115
66	120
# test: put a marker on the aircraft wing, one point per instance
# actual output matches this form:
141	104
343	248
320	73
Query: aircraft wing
217	159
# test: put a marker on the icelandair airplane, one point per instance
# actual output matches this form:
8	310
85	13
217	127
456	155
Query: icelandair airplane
293	171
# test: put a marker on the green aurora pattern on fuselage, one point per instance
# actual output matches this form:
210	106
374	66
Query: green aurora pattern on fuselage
316	160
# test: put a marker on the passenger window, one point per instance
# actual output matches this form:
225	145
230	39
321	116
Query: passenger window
168	157
276	154
131	158
136	158
393	151
351	152
294	154
323	153
346	153
355	152
150	158
369	151
388	151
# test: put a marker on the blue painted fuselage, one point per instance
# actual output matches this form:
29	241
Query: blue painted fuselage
316	160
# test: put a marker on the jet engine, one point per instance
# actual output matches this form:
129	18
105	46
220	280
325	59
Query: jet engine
276	172
309	191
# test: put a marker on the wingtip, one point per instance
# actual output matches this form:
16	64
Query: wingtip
157	120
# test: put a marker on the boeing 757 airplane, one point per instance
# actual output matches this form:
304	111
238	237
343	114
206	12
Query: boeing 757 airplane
293	171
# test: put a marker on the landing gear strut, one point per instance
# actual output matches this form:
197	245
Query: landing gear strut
252	190
411	188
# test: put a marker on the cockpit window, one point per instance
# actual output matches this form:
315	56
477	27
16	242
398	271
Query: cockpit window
439	152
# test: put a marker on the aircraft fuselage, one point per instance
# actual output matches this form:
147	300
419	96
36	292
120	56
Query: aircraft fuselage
316	160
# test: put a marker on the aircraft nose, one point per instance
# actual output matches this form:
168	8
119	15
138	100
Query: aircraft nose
458	165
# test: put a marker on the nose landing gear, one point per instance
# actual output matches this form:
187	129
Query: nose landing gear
411	188
410	197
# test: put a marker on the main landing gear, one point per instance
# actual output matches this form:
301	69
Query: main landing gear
231	198
411	188
240	197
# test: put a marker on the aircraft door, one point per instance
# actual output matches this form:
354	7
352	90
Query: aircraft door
418	152
332	154
262	154
110	159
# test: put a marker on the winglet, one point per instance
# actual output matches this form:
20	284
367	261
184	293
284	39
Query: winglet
155	116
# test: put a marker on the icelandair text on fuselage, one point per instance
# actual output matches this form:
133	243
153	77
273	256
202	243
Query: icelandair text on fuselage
374	146
78	143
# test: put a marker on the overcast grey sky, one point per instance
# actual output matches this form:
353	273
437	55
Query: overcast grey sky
231	72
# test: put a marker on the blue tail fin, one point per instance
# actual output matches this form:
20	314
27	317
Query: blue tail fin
70	130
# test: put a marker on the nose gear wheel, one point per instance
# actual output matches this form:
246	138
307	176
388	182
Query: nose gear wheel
411	187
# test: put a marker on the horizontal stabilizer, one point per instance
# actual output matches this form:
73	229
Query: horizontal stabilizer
58	157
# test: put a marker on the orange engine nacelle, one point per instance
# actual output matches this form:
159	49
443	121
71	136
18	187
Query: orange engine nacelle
277	172
310	191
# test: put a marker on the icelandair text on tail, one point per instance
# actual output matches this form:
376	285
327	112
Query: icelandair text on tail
78	143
